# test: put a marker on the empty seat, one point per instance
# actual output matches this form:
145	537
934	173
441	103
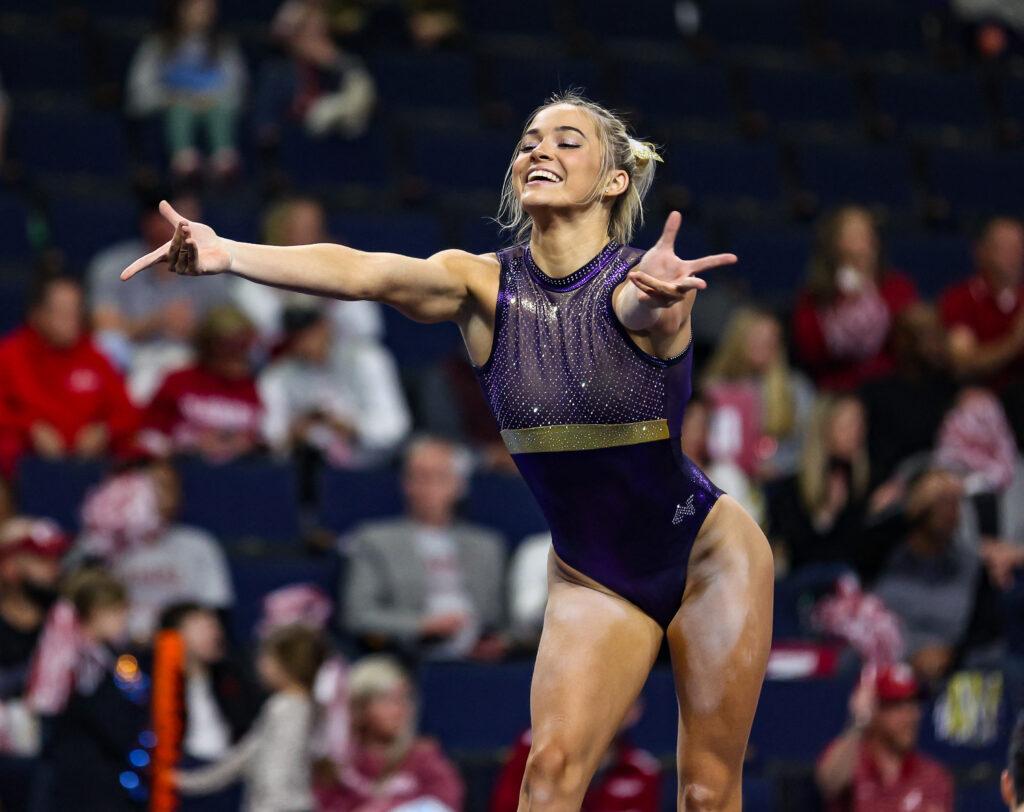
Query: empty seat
346	498
69	140
425	80
241	501
773	262
724	169
796	719
803	96
55	489
935	261
527	82
453	160
84	226
333	160
978	182
13	226
413	234
31	60
667	91
504	503
641	19
481	235
843	174
780	24
13	298
877	26
418	345
921	101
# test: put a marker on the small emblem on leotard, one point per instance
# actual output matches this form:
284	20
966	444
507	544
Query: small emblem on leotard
682	511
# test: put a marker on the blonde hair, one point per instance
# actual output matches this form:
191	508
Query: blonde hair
824	263
621	151
729	363
813	478
371	677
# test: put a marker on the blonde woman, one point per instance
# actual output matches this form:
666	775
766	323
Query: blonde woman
582	347
752	355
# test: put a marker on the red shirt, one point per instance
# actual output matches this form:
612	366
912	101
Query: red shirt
830	371
365	785
923	785
972	304
195	409
69	388
631	782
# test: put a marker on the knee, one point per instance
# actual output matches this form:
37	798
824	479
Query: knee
553	771
713	789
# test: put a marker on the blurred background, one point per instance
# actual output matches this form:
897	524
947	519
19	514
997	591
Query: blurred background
215	498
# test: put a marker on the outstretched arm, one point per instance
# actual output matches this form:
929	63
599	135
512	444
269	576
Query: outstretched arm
657	297
433	289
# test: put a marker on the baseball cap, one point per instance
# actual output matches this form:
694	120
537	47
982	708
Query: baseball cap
895	683
33	536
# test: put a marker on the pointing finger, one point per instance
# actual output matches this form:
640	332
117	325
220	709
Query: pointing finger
172	217
714	261
152	258
668	234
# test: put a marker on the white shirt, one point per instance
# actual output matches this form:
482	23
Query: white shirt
446	591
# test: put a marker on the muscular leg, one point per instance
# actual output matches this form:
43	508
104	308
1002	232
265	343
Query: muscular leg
719	642
595	653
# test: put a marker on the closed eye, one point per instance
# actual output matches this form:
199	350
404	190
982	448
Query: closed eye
530	147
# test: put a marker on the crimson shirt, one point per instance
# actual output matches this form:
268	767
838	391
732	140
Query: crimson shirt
631	782
68	387
896	290
923	786
973	304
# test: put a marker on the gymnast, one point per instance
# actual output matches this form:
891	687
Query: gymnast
582	345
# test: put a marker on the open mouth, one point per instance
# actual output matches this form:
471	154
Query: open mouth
542	176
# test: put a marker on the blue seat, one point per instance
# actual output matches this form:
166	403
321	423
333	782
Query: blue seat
425	80
415	235
935	261
55	488
347	498
978	182
241	501
779	24
877	26
839	175
84	226
803	96
984	797
69	140
13	299
30	61
480	235
665	92
506	504
527	83
919	102
773	262
463	160
254	577
726	169
337	161
964	746
642	19
13	226
797	719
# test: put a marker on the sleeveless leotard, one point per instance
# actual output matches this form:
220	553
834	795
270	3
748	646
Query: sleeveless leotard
594	425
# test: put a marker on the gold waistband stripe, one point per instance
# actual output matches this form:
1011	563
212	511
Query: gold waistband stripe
583	436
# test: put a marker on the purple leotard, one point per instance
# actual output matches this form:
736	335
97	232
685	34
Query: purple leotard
594	425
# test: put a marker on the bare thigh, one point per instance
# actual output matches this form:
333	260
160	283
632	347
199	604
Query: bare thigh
595	653
719	642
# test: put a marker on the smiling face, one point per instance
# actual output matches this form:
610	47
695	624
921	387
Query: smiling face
560	161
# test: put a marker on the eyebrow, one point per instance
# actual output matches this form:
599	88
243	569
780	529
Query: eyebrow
535	131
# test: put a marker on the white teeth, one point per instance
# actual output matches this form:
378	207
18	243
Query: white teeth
542	174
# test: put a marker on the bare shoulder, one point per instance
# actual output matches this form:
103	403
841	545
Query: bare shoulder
467	264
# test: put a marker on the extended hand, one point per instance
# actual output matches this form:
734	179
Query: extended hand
663	278
195	249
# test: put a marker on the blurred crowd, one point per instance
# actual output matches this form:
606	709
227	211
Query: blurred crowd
876	436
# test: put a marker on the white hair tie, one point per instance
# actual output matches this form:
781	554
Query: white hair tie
644	151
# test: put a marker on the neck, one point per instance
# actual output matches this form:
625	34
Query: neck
561	245
926	543
438	521
888	760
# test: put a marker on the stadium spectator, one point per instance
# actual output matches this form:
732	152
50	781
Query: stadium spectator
930	579
818	515
390	767
427	583
59	396
212	408
875	765
191	73
628	779
131	524
30	555
107	708
337	400
1012	778
148	329
301	221
843	317
528	588
993	28
985	314
274	759
906	407
750	368
312	81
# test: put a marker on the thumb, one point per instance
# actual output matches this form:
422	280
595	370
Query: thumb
668	234
167	210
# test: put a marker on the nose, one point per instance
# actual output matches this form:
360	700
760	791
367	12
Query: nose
539	153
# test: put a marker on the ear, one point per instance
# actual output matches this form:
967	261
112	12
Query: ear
1006	786
616	183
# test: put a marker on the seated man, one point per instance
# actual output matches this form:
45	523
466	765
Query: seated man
427	582
929	581
59	396
875	765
